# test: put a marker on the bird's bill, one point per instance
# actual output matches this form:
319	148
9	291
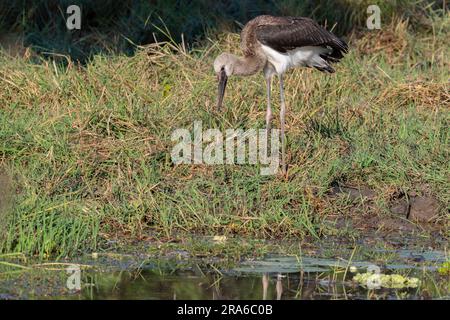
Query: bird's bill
221	90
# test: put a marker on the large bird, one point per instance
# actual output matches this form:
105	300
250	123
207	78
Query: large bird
274	45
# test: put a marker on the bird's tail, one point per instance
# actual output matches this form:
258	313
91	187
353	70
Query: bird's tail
325	68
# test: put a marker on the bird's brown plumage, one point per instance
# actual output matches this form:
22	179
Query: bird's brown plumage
286	33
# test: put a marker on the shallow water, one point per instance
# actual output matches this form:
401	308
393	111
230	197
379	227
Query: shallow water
274	277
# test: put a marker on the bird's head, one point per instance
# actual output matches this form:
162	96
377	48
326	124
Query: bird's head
223	67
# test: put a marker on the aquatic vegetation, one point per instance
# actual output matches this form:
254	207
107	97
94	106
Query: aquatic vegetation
372	280
353	269
444	269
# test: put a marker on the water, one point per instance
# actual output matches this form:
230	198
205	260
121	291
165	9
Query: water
274	277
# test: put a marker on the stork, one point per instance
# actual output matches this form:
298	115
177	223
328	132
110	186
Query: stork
274	45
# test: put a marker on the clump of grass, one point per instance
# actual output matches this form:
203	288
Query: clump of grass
89	147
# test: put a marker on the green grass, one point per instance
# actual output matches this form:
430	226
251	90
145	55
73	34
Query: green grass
88	148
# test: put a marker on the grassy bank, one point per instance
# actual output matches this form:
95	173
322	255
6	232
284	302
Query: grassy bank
87	149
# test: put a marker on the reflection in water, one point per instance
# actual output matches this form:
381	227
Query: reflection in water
274	277
279	286
265	282
151	284
265	285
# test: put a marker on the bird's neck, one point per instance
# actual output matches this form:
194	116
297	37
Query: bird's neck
249	65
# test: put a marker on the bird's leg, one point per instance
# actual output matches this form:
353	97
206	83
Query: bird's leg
282	121
269	108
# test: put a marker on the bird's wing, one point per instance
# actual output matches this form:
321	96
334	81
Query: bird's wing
287	33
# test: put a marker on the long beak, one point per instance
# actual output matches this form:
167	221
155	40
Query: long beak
221	90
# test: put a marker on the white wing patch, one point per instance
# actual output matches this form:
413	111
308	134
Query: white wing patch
299	57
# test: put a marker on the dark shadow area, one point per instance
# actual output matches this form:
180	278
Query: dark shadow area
111	26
